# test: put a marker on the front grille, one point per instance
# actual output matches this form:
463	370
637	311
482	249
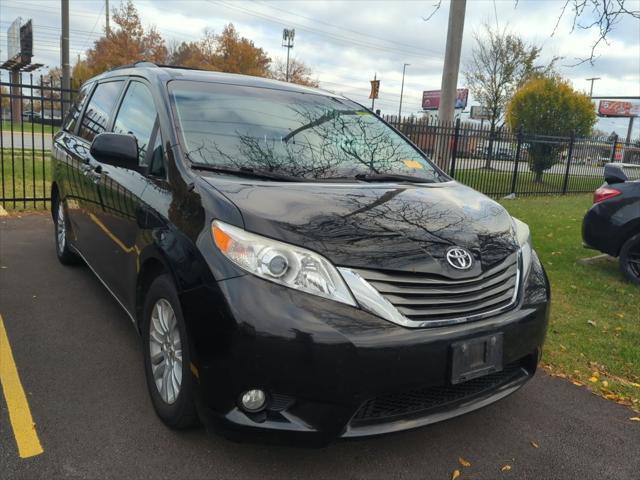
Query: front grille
432	300
421	401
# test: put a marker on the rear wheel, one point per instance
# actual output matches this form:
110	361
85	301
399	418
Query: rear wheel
630	259
63	252
167	356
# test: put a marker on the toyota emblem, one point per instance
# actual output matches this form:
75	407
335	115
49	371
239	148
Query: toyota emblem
459	258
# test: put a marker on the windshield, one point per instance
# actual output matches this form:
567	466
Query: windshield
296	134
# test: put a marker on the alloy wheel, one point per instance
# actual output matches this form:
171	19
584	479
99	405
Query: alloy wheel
165	350
61	231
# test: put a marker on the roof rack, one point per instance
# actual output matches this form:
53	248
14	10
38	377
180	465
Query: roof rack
143	63
133	65
180	67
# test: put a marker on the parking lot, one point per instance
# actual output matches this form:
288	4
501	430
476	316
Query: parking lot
79	363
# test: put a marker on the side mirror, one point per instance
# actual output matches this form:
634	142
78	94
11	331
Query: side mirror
115	149
613	173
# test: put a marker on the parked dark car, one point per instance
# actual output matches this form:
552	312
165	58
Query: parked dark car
295	267
612	224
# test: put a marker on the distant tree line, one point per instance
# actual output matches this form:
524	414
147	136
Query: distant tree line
128	41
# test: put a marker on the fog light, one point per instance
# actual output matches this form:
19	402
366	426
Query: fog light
253	400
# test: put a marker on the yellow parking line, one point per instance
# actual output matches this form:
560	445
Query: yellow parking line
24	430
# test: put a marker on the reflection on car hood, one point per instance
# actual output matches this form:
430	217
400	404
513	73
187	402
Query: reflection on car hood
406	227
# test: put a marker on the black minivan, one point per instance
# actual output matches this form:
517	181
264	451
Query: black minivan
296	268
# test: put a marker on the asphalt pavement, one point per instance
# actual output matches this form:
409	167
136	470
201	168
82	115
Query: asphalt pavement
80	363
24	140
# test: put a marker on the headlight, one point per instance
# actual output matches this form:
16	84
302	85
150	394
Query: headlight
523	235
281	263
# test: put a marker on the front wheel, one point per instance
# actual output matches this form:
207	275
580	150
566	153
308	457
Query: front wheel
167	356
63	252
630	259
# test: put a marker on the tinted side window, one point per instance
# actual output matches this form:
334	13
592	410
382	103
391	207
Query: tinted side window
137	116
96	117
76	108
155	159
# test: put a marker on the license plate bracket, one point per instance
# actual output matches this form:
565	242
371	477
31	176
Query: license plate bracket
476	357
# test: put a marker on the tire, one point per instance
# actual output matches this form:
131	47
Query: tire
630	259
169	378
60	224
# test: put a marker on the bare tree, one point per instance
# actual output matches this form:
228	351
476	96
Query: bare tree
499	64
602	15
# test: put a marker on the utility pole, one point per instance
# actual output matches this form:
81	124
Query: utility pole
449	87
593	79
107	28
404	67
287	42
64	47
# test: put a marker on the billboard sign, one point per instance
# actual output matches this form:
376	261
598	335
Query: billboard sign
26	40
13	39
431	99
616	108
479	113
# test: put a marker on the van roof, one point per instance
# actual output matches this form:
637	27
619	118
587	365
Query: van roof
151	70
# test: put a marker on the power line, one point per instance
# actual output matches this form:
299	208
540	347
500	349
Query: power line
339	38
357	32
40	8
93	29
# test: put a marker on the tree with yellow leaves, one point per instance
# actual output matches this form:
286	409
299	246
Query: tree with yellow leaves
128	42
226	52
549	106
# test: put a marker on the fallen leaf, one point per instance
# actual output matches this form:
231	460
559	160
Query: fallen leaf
578	384
605	384
635	419
535	445
593	379
637	385
455	474
505	468
591	322
621	315
464	462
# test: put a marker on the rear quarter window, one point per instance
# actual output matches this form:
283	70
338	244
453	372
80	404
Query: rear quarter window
96	116
76	107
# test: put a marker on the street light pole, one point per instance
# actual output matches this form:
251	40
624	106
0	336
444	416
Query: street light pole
593	79
404	67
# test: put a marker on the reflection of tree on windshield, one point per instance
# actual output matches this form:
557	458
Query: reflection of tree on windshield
330	144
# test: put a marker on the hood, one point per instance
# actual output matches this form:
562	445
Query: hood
377	226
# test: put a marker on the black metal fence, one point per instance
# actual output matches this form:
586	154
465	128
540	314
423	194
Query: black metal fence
503	162
31	111
497	163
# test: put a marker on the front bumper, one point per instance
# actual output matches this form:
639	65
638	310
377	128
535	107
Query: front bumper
322	363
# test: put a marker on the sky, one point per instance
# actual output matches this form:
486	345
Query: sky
347	42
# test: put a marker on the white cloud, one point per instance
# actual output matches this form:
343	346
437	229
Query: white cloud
346	42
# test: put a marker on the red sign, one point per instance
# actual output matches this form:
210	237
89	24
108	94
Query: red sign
615	108
431	99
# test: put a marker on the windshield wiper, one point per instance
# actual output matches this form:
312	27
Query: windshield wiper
391	177
246	172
